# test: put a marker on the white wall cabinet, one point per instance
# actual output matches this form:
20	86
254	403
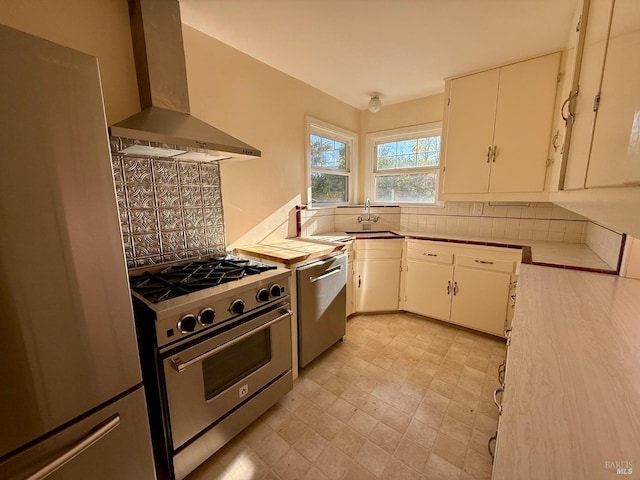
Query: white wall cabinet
497	131
604	148
615	149
581	107
466	285
377	274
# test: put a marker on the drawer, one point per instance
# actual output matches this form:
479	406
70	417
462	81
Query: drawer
376	249
430	254
485	263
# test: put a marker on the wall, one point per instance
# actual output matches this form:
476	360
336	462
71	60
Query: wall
265	108
97	27
414	112
604	242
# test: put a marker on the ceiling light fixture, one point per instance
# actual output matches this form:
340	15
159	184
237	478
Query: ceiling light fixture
375	104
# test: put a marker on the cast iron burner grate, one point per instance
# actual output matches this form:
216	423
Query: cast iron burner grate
183	278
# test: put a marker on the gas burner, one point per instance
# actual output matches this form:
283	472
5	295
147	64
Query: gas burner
183	278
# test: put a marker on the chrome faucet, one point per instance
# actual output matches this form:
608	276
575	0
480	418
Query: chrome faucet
367	207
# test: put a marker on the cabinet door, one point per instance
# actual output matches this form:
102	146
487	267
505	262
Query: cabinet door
469	132
524	116
480	299
350	281
428	289
588	86
377	285
616	137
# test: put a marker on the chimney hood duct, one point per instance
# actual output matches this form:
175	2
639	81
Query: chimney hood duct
156	32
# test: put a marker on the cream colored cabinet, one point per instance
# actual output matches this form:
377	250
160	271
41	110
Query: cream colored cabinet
498	128
377	274
428	289
351	273
580	109
467	285
480	299
615	149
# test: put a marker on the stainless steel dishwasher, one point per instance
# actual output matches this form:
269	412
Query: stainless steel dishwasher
322	306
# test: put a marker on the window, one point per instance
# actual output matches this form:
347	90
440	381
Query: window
404	165
331	151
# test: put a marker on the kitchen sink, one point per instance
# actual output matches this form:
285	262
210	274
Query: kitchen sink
374	234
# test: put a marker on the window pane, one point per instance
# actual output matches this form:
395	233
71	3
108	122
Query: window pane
415	153
410	188
327	188
328	153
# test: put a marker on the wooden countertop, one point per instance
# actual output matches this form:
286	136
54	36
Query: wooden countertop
572	396
291	250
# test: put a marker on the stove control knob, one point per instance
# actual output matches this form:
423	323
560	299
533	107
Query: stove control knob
263	295
237	307
276	290
206	316
187	323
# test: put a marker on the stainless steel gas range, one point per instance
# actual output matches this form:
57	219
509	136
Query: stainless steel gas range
215	343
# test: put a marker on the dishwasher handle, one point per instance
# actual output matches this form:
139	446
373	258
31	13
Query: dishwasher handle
327	273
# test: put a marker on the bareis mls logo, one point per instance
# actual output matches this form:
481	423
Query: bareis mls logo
619	467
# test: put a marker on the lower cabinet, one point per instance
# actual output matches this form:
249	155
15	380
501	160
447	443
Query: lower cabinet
377	274
471	287
480	299
428	289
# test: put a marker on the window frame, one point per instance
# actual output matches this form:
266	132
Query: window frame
395	135
314	126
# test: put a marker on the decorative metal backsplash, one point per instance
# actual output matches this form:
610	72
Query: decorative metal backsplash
169	209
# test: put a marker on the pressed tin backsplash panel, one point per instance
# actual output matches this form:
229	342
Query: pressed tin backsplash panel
169	209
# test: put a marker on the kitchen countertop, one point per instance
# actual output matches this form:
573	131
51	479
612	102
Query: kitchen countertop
291	250
572	397
559	254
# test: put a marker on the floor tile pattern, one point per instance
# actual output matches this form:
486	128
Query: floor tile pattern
401	397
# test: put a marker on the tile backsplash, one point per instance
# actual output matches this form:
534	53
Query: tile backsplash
605	243
534	221
169	209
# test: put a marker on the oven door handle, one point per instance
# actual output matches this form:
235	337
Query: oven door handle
180	365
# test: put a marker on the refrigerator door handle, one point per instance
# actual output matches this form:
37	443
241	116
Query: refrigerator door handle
94	436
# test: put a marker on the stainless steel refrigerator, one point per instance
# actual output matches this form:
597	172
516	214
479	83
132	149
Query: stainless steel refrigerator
71	399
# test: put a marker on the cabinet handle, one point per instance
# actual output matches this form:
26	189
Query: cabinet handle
495	399
455	288
359	281
554	141
495	153
570	115
448	287
484	262
430	254
489	154
501	372
492	440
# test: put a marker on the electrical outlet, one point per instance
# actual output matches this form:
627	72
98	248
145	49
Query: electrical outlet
244	389
477	209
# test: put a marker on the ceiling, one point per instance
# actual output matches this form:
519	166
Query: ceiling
400	48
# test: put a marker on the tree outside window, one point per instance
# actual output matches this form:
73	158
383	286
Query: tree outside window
330	164
406	167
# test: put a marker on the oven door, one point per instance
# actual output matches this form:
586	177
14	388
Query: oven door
209	379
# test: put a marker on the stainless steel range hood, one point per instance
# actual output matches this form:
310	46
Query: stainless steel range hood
165	121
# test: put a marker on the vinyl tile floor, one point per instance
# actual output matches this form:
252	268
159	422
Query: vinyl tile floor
401	397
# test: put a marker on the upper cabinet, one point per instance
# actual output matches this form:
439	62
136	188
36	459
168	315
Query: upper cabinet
497	130
579	106
615	147
604	147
